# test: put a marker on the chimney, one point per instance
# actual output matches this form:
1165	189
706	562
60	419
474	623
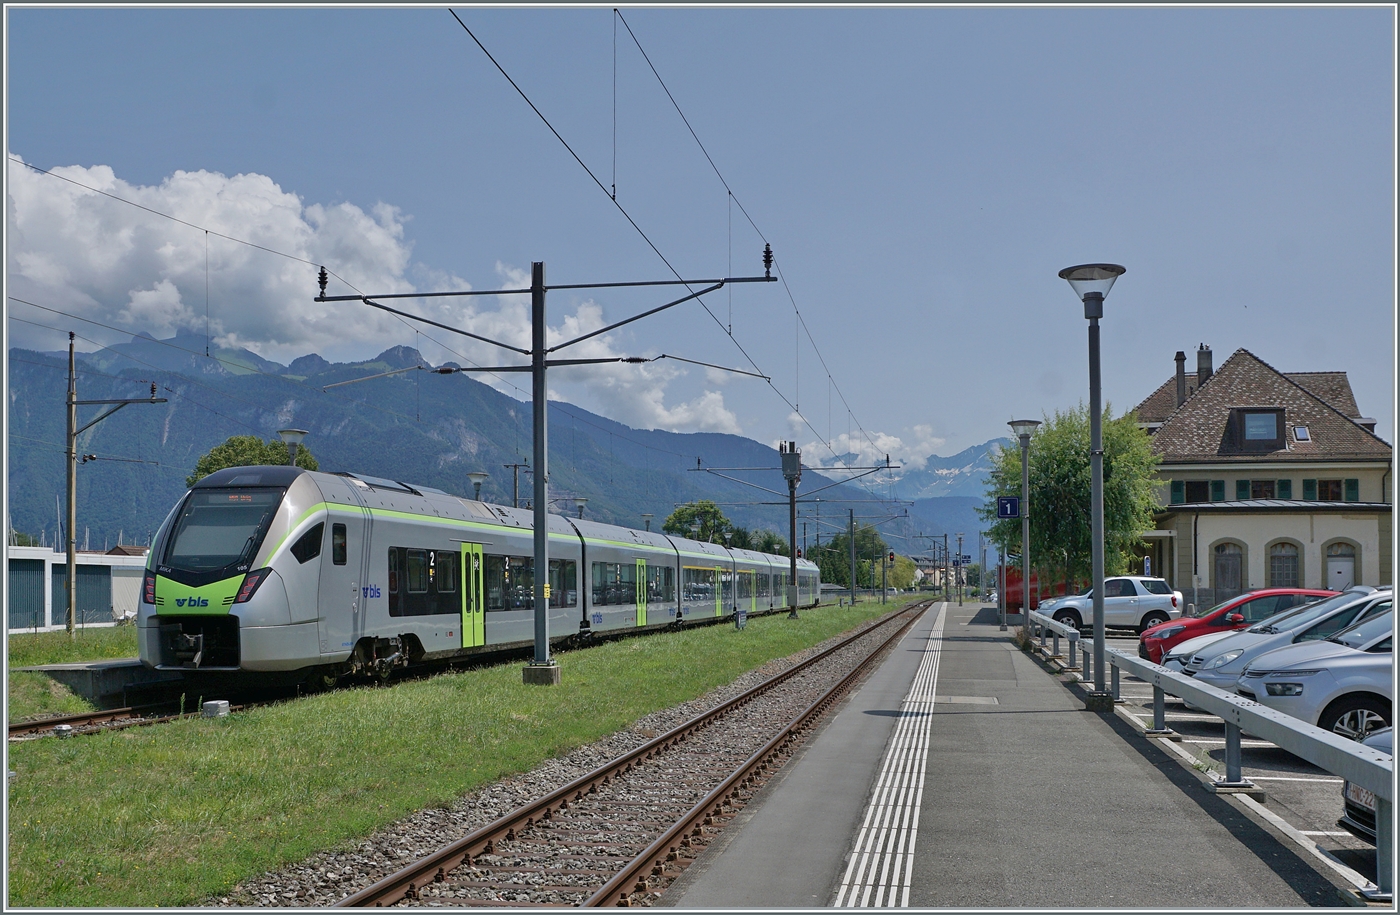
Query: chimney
1203	367
1180	378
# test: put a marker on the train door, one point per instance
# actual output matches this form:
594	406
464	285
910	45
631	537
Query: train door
641	592
473	597
720	588
344	588
753	591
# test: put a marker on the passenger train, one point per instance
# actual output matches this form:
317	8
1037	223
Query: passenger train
279	569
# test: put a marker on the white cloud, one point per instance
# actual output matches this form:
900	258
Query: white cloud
858	449
86	254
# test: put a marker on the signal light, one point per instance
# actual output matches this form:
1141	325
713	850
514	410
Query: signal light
891	556
799	553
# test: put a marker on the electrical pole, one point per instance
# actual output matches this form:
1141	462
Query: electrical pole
792	472
958	565
853	556
946	569
543	669
515	476
73	432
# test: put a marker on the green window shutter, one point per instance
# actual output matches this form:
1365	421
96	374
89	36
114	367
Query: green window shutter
1178	491
1351	490
1285	489
1217	490
1310	490
1241	490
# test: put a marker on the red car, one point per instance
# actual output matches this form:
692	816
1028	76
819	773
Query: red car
1236	613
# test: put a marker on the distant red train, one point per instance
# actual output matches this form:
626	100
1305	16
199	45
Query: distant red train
1012	588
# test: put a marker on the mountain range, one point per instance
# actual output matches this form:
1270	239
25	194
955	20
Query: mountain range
416	426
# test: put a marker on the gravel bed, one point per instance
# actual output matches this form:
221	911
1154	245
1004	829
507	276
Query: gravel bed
330	876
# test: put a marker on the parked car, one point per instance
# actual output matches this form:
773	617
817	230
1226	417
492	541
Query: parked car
1221	663
1341	683
1359	813
1129	601
1176	657
1236	613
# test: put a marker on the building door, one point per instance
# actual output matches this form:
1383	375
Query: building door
473	597
1229	564
1341	566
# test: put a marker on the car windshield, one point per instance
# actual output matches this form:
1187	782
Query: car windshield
1155	586
1307	613
218	528
1366	631
1218	606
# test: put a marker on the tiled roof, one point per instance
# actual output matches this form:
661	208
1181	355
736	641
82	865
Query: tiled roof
1331	387
1162	402
1199	430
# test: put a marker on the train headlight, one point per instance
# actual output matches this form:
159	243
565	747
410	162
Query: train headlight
250	585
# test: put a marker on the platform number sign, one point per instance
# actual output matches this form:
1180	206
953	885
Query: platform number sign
1008	506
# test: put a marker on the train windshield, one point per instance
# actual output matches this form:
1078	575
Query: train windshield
219	528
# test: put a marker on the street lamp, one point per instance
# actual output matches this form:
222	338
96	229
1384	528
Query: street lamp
293	439
580	502
1023	429
646	518
478	477
1091	282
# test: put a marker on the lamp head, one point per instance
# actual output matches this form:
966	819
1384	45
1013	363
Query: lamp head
1092	278
1023	427
478	477
292	436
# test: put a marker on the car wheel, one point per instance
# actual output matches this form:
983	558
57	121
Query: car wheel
1356	717
1067	618
1152	619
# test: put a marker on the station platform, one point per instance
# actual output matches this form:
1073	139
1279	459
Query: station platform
964	774
109	684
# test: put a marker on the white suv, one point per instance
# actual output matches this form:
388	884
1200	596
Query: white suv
1129	601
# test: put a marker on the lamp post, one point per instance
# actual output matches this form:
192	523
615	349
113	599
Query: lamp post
478	477
1091	282
646	519
1023	429
293	439
580	502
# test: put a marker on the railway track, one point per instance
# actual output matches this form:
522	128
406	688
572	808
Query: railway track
619	834
92	722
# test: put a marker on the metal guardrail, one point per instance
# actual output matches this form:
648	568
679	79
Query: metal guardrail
1047	625
1333	753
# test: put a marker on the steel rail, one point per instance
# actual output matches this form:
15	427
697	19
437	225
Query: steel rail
109	720
434	867
630	879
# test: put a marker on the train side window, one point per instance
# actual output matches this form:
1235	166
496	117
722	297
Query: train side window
446	572
417	572
338	550
308	545
394	566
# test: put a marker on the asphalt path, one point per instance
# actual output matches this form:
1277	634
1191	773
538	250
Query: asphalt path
964	773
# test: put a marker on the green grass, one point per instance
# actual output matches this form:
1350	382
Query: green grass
30	649
34	694
174	814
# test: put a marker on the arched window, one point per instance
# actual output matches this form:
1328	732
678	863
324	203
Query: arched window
1229	566
1283	565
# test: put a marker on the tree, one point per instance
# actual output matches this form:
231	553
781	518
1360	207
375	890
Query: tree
769	542
834	558
248	451
713	524
1060	494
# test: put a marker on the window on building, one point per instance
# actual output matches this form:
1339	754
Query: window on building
1329	490
1261	489
1197	490
1301	434
1259	427
1283	566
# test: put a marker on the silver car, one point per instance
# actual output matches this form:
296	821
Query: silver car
1221	663
1129	602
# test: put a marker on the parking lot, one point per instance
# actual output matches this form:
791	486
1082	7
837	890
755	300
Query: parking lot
1305	800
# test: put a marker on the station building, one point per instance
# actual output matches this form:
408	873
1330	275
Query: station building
1268	479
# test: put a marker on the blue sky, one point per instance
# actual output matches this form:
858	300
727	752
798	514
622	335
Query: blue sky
922	175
